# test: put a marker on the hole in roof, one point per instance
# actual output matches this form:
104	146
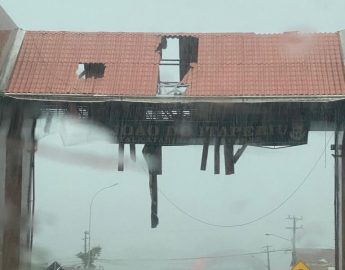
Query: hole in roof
177	54
90	70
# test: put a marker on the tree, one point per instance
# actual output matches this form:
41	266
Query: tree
95	252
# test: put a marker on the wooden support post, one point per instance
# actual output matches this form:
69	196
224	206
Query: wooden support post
153	157
121	157
154	200
229	158
13	193
216	156
159	160
132	151
31	188
204	156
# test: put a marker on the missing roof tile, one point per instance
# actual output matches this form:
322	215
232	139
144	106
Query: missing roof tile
90	70
177	55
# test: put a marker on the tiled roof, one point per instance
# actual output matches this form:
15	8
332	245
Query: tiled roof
48	61
236	64
267	65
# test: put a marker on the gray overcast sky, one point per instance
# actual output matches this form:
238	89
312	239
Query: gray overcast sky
68	176
178	15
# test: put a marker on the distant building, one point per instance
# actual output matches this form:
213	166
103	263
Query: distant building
55	266
317	259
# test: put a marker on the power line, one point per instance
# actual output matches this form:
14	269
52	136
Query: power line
195	258
226	256
258	218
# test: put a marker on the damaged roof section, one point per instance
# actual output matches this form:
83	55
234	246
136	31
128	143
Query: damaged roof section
115	64
206	65
178	53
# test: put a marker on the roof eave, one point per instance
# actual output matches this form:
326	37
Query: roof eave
174	99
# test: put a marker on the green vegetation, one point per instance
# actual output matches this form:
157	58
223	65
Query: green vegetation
95	252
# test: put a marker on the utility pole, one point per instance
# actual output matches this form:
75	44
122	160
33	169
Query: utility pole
293	239
86	233
268	257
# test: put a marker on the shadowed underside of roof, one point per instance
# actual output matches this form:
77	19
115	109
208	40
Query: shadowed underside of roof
227	65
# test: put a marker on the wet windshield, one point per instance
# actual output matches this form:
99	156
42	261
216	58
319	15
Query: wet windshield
171	135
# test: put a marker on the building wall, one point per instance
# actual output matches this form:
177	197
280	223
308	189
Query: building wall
6	27
4	125
7	33
10	41
6	23
21	250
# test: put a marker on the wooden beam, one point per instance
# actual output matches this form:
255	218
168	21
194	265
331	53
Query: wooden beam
204	156
229	158
159	160
154	200
239	153
132	151
121	157
216	156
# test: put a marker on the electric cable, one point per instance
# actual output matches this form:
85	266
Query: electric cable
260	217
195	258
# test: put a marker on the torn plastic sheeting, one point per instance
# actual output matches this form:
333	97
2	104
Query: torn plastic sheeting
74	131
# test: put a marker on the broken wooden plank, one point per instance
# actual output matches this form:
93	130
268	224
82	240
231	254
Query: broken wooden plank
154	200
204	153
159	160
121	157
204	156
216	156
229	158
132	151
239	153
